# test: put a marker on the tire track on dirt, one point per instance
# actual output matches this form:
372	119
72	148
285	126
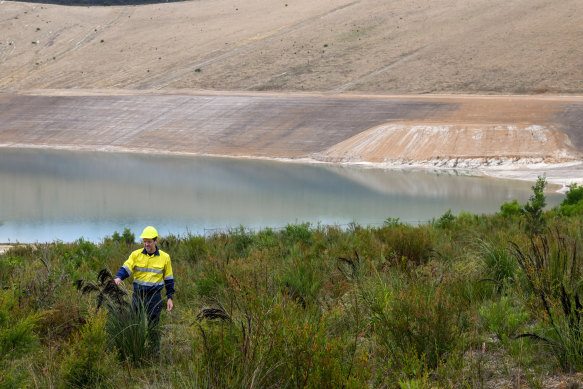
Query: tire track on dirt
368	76
22	75
163	80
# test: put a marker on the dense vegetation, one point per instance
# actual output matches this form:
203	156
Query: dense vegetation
466	301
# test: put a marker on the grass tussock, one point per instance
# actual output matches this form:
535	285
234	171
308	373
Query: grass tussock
466	301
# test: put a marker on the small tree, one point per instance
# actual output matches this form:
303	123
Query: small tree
533	209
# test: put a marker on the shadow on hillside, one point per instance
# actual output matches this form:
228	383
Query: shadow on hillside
87	3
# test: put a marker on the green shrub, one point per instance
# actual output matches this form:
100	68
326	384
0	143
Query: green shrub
502	317
126	237
241	239
422	319
89	362
413	244
193	248
499	265
210	283
533	209
446	220
302	277
19	337
298	233
315	360
552	268
572	204
17	326
266	238
129	332
511	209
574	195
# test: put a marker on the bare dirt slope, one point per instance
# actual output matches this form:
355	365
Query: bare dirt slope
154	76
373	46
438	131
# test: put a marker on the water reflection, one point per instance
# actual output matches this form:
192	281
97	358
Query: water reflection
48	195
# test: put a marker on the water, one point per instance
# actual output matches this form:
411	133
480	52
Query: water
63	195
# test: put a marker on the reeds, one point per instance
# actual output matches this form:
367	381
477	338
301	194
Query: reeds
127	325
552	266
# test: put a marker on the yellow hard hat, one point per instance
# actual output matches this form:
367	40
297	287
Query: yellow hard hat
149	233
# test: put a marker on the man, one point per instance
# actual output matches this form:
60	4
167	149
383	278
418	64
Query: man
152	272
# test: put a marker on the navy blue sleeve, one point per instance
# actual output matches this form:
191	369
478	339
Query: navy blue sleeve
122	273
169	284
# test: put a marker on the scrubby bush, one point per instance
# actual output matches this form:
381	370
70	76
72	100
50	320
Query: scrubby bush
572	204
309	307
89	362
552	266
533	209
407	243
511	209
503	318
498	263
126	237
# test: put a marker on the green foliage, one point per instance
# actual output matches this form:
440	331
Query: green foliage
502	317
298	233
425	320
242	240
499	265
552	266
419	320
572	204
302	277
446	220
193	248
511	209
210	281
128	331
127	324
392	222
574	195
533	209
88	362
407	243
390	306
17	327
266	239
126	237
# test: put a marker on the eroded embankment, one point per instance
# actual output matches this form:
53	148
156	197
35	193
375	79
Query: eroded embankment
455	146
538	134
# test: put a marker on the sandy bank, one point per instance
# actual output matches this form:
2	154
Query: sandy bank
518	137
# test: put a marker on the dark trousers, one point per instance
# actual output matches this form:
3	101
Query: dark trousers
152	303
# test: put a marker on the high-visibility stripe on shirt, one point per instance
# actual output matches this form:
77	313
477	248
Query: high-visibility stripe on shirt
152	272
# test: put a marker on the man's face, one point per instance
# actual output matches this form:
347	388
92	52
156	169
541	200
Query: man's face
150	245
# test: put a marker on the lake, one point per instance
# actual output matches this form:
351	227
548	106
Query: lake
49	195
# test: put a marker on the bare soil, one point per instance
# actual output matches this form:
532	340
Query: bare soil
357	46
353	81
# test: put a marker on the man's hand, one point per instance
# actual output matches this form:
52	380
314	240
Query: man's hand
169	305
117	281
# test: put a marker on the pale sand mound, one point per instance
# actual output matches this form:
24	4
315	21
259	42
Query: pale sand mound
454	145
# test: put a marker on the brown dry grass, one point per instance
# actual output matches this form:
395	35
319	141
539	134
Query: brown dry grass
366	46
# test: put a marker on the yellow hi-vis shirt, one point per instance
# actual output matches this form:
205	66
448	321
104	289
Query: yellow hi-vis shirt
151	271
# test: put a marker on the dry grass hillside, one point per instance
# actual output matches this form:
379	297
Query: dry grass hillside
362	46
